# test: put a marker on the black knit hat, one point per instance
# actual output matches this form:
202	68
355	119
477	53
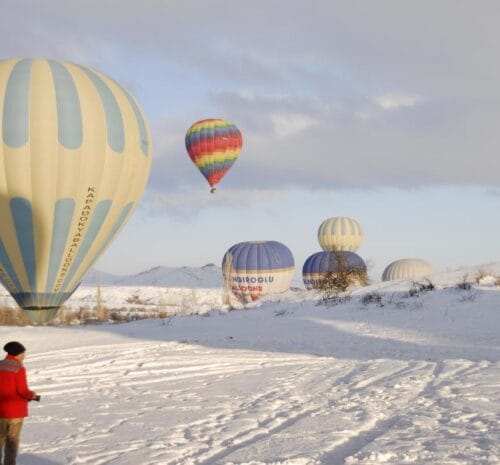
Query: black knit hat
14	348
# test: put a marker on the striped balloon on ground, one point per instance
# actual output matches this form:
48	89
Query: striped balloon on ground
407	268
257	268
319	265
76	156
213	146
340	233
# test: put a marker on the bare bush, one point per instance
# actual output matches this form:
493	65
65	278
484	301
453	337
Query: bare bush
482	274
372	298
83	315
400	305
470	297
334	285
68	316
13	317
420	287
135	300
336	299
465	284
163	314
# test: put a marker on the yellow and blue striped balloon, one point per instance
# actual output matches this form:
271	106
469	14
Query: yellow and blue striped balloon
74	161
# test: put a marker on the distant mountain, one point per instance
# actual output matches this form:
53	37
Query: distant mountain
208	276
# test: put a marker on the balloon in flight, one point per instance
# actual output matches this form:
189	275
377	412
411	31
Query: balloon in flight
75	158
257	268
213	146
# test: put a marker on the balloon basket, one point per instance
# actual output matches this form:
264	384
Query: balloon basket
212	191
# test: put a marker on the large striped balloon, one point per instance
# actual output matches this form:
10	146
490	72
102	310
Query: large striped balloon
319	265
76	156
257	268
340	233
213	145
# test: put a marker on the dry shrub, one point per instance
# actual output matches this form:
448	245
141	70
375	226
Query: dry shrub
84	315
420	287
481	274
465	284
13	317
334	285
135	300
67	316
372	298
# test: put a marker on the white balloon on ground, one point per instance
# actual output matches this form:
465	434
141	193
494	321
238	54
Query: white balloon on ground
407	268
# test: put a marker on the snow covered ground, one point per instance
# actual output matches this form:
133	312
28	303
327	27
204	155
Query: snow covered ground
403	380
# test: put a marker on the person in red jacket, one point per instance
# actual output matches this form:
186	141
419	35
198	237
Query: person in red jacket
14	397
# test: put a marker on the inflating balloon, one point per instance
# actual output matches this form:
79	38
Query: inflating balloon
76	156
407	268
319	265
257	268
213	145
340	233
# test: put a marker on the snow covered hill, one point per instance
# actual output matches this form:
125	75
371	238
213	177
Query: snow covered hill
208	276
384	377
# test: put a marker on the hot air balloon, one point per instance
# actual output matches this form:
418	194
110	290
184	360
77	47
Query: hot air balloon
407	268
319	265
213	146
257	268
75	160
340	233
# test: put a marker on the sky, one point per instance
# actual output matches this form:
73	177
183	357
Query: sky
387	112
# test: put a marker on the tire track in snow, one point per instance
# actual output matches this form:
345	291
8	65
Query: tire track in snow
425	402
258	434
111	373
353	444
227	410
278	397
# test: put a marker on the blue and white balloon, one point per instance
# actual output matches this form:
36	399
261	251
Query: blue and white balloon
319	265
257	268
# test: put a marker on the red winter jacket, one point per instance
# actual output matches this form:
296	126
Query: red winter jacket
14	392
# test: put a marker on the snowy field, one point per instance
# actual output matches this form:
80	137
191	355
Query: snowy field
405	380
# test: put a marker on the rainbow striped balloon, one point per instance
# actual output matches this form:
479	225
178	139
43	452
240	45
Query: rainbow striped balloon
213	146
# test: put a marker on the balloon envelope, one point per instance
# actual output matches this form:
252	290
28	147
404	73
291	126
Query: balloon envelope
407	268
317	267
213	146
257	268
340	233
76	156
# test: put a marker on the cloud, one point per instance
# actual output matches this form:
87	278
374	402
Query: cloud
184	205
288	124
332	95
393	101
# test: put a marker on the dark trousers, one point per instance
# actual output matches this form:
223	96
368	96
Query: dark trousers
10	433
